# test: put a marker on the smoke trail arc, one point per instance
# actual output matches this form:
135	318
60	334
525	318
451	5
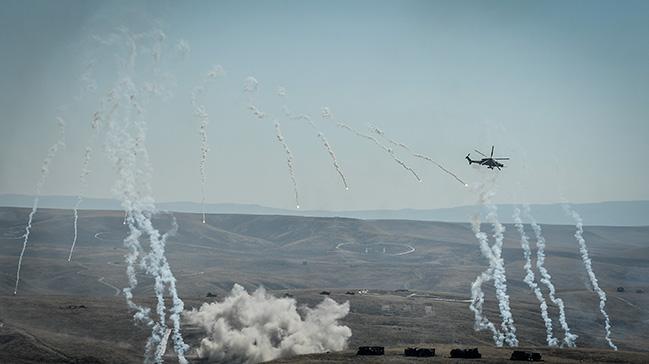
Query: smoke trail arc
334	160
588	265
326	114
321	136
546	279
530	279
45	171
250	86
417	155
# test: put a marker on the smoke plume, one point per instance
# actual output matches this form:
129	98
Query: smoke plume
257	327
583	250
45	171
530	279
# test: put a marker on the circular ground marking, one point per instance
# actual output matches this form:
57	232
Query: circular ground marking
376	249
109	236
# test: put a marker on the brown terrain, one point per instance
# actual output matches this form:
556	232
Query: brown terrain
417	275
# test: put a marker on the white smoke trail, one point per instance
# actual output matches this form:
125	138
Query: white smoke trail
120	147
200	111
83	178
477	295
45	171
156	265
257	327
88	83
156	49
500	278
326	114
417	155
126	149
583	250
85	169
163	344
568	338
530	279
255	111
289	161
334	160
183	48
250	86
496	270
202	114
321	136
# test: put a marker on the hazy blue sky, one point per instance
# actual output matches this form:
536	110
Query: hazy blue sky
561	87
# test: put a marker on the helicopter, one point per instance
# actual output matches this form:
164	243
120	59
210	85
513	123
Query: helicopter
490	161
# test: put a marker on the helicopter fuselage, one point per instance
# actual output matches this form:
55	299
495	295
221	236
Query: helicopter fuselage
490	162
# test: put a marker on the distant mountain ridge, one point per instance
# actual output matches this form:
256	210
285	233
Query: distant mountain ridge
611	213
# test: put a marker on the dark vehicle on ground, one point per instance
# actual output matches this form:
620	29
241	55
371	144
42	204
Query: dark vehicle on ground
519	355
466	353
419	352
370	350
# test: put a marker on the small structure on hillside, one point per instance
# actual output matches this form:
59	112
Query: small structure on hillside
428	310
74	307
